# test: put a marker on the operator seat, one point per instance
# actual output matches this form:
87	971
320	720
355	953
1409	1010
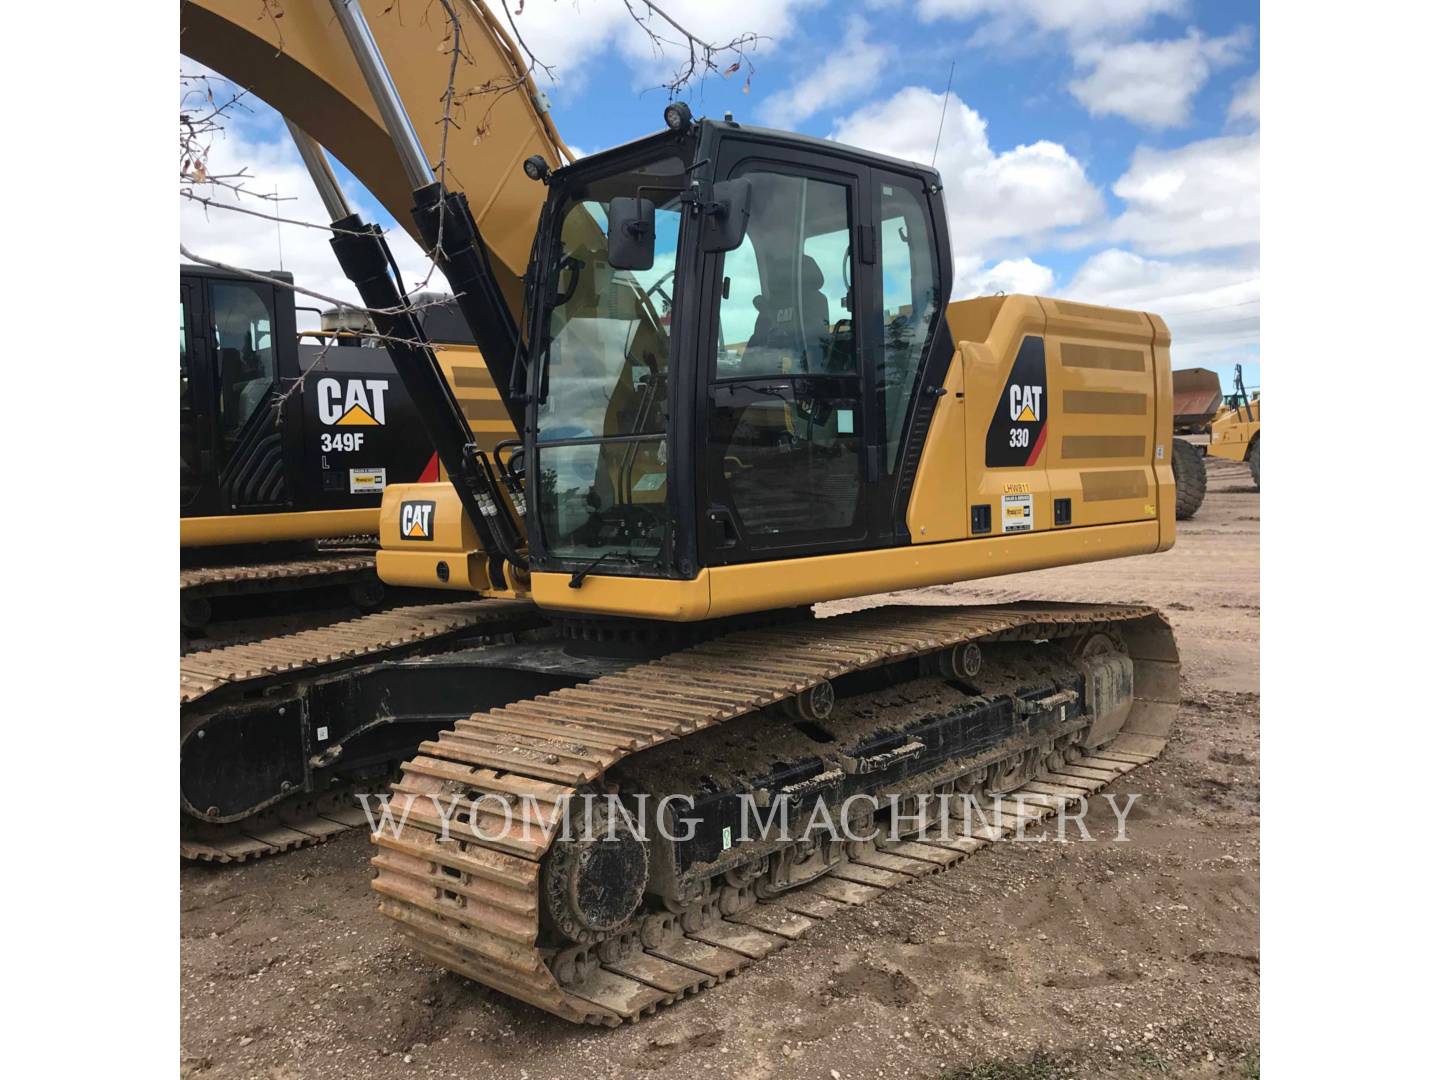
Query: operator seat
791	334
814	315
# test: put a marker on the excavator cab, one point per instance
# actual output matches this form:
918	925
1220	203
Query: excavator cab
727	328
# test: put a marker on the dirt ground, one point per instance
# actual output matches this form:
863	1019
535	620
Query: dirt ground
1027	962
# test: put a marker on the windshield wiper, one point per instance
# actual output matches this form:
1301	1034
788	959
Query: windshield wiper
578	577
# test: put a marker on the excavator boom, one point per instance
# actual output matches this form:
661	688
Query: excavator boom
301	66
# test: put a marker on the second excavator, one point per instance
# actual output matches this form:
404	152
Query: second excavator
741	391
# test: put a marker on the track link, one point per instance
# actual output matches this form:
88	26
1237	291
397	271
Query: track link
302	825
289	573
474	906
368	637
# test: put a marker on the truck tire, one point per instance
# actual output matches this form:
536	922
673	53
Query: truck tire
1255	462
1189	468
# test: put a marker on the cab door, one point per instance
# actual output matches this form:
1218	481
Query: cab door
789	427
245	345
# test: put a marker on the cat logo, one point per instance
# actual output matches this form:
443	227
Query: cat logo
417	519
1016	437
359	402
1025	403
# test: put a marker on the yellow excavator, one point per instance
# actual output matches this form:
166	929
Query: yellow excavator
741	391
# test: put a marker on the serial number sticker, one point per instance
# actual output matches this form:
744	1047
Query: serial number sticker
366	481
1017	513
725	844
1017	489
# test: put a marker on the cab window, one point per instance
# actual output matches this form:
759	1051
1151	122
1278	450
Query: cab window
909	301
786	292
244	351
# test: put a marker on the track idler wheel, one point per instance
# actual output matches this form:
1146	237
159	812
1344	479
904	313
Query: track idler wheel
593	881
961	662
814	704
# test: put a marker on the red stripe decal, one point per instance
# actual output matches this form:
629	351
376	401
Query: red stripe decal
431	473
1039	445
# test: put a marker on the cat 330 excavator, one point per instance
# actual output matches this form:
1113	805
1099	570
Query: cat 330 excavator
741	391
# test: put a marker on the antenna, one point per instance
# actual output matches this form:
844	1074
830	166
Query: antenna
944	104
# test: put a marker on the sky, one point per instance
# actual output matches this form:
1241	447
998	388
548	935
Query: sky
1105	151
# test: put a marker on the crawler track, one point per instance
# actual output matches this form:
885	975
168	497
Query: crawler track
474	906
214	593
228	678
311	571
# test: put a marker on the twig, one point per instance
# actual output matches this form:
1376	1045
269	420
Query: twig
703	55
299	381
257	276
268	217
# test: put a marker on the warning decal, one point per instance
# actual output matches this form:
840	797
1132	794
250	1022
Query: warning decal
366	481
1017	513
1017	431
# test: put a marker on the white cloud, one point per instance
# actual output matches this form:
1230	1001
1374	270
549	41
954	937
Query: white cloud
973	278
1245	105
1202	196
1211	307
1024	192
253	243
1152	82
1076	18
847	73
581	39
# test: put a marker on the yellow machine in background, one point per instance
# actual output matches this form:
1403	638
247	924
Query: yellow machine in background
287	442
1235	429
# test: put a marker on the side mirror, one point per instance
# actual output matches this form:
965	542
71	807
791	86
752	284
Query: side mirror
632	233
727	217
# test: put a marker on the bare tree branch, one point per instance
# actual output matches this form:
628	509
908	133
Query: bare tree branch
278	402
201	124
268	279
187	194
702	57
